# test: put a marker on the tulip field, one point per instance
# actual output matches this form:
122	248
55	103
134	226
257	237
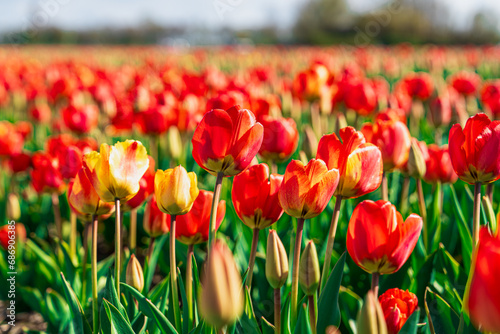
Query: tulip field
249	189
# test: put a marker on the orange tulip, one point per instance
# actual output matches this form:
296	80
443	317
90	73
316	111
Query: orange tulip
83	199
227	141
255	196
378	240
482	297
306	190
359	163
115	171
474	150
392	138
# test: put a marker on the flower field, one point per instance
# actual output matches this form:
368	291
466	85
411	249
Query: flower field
249	190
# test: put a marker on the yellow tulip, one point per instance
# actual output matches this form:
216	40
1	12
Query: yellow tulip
115	171
175	190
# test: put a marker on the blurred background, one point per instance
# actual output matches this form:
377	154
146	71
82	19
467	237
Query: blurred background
213	22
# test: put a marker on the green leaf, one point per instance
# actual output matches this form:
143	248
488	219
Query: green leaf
150	265
120	325
303	325
267	327
247	322
186	327
112	297
411	325
139	324
441	316
328	306
45	263
464	231
150	310
79	321
350	304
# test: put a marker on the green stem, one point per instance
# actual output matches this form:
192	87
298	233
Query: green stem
277	311
133	230
477	211
331	240
312	313
189	284
385	187
118	248
57	215
423	212
489	191
405	190
251	261
86	231
95	309
375	279
72	236
213	211
151	248
295	273
173	274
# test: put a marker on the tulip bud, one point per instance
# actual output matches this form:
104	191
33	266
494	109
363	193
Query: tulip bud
371	318
276	261
174	142
309	275
416	160
135	277
175	190
13	207
221	296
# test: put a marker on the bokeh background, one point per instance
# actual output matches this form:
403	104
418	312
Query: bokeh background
210	22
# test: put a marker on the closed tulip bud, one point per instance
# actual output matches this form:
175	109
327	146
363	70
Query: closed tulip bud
13	207
221	297
309	274
371	318
417	158
135	277
276	261
115	171
174	143
175	190
397	306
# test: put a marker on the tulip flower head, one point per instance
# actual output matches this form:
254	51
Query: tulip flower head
175	190
438	165
192	228
221	299
227	141
84	199
280	140
10	234
146	188
134	274
276	261
359	163
115	171
481	297
306	190
155	221
397	306
474	149
45	175
378	240
309	273
255	196
371	317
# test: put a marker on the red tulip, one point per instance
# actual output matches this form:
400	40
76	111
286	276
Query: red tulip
311	83
255	196
306	190
280	139
155	120
440	111
227	141
482	297
192	228
419	85
81	119
40	113
359	163
378	240
474	150
45	175
397	306
11	140
490	97
392	138
10	234
155	221
360	96
466	83
19	162
438	165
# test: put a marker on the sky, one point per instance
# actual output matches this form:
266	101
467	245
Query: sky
240	14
